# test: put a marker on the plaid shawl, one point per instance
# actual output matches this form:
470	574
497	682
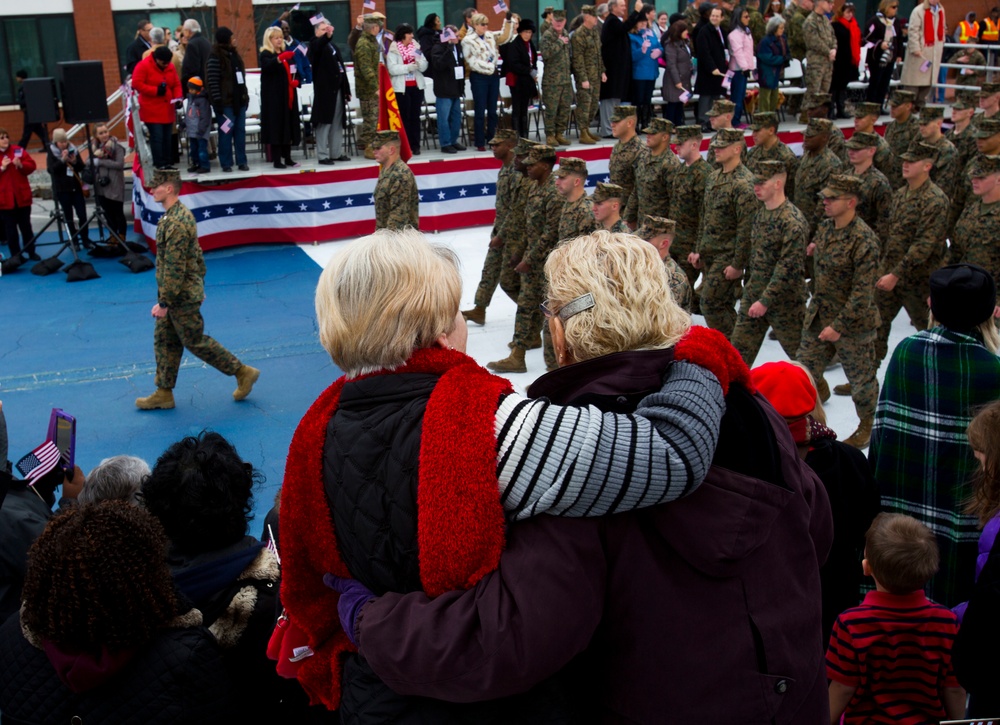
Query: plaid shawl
919	452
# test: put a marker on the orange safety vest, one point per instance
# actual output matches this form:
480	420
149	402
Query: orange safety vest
992	32
969	32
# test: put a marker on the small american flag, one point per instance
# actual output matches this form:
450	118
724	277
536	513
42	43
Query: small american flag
226	126
39	462
369	4
500	7
271	546
317	19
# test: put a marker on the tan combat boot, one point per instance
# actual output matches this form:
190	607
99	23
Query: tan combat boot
162	399
370	153
563	141
513	363
862	436
533	346
823	390
587	138
552	141
477	314
246	376
844	389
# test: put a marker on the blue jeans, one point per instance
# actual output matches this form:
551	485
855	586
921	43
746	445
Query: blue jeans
237	135
737	92
160	138
449	111
198	151
485	94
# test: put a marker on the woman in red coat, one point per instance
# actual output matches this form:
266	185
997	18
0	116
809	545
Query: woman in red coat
156	82
16	165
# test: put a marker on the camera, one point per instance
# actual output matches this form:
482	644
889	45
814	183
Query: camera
886	57
103	181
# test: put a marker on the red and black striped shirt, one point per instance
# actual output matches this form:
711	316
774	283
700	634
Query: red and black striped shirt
896	650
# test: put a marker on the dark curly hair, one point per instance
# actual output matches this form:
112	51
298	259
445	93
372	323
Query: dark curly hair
98	578
202	492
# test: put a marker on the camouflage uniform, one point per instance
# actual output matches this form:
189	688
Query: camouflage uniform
974	240
838	144
774	277
514	229
366	62
964	143
757	25
680	289
624	161
397	203
653	175
967	76
619	227
875	202
899	136
947	173
577	216
686	198
814	171
588	66
779	152
507	181
796	33
727	216
846	263
180	281
557	89
819	41
914	247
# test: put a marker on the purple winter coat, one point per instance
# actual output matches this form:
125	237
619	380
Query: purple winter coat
706	609
986	540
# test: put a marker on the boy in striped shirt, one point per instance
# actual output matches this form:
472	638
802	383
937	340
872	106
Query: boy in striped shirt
889	660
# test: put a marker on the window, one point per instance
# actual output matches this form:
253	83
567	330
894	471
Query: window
127	22
36	45
338	13
398	12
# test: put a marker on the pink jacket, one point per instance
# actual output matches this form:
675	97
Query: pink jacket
741	55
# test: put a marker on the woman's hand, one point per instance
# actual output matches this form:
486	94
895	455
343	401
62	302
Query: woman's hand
679	86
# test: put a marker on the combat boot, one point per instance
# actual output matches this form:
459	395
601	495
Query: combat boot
844	389
533	346
162	399
587	138
563	141
246	376
513	363
370	153
823	390
477	314
552	141
862	436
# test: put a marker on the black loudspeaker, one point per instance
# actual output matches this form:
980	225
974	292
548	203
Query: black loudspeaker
40	100
84	97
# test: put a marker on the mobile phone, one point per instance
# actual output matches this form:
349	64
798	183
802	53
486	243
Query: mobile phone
62	432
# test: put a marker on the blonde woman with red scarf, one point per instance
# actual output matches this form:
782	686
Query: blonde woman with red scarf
279	102
924	46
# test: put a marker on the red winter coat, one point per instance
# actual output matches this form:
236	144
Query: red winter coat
14	187
146	79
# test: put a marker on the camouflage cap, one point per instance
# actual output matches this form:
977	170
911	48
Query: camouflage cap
548	9
384	137
862	140
919	151
841	185
659	125
377	17
964	100
162	176
622	112
928	114
764	119
815	100
540	153
572	165
898	98
987	127
767	169
722	106
603	192
588	10
867	109
524	145
686	133
988	89
558	14
504	135
655	226
726	137
984	165
818	126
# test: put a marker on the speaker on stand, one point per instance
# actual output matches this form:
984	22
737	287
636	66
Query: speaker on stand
41	104
84	96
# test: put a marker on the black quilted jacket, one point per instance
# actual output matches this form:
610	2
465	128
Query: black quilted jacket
179	678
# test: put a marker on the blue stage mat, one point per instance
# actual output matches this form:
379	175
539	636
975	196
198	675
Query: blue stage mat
87	347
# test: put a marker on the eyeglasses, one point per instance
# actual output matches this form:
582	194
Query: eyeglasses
573	307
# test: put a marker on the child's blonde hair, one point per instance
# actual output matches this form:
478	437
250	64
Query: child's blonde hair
984	437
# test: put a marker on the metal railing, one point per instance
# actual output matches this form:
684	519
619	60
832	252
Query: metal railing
990	51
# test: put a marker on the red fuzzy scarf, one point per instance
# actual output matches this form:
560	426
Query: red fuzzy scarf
460	522
929	27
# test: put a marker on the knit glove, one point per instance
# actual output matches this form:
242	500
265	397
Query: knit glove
711	350
161	90
353	596
286	55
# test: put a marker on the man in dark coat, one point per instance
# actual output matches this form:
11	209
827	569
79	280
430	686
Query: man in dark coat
133	54
616	53
225	80
196	55
332	92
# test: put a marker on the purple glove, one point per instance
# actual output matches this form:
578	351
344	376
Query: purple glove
353	596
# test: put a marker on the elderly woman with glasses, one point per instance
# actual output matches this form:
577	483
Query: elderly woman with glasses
405	473
674	606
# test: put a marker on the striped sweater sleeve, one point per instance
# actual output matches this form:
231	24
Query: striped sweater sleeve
578	461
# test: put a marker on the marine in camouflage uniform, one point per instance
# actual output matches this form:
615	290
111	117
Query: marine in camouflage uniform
987	135
819	41
988	96
626	154
875	193
720	115
514	229
815	168
947	173
914	247
577	214
846	263
817	105
974	240
606	215
687	195
866	115
397	202
659	232
795	32
774	272
180	282
588	67
727	217
366	61
900	135
965	140
968	76
557	88
778	151
757	24
653	173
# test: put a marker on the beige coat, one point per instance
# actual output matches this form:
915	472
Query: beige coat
915	43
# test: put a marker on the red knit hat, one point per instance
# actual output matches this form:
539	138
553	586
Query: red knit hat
787	387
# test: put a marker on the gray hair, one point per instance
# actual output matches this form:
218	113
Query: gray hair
774	23
156	36
193	25
115	479
603	9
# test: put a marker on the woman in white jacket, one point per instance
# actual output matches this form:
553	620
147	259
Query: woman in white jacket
481	50
406	64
